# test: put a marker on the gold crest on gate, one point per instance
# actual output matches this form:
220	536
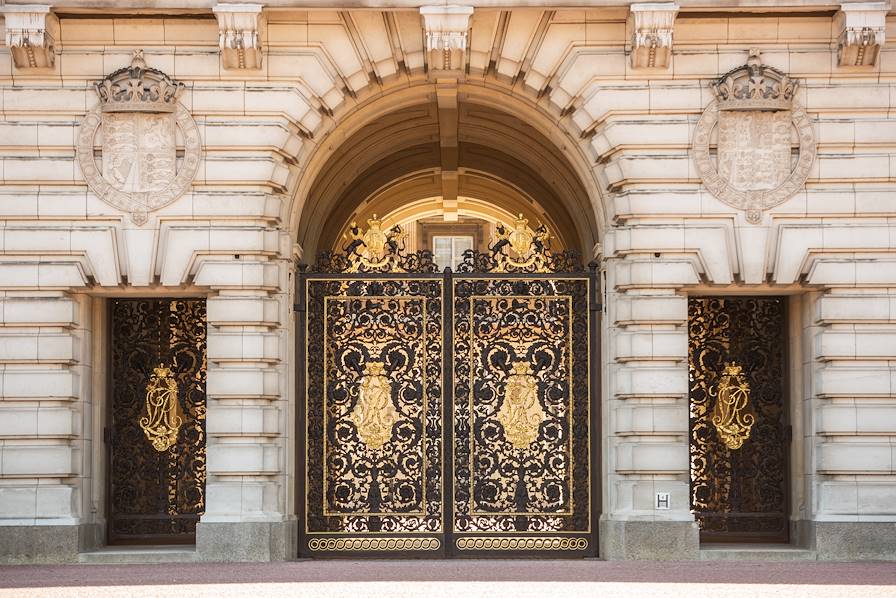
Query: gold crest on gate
162	416
374	415
527	248
374	248
521	413
733	415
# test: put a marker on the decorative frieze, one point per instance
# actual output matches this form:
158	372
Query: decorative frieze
445	35
754	112
30	31
239	35
652	24
140	117
861	30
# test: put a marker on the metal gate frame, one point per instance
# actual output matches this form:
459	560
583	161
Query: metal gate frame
391	264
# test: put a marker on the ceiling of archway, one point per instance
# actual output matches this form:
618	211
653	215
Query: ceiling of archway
398	158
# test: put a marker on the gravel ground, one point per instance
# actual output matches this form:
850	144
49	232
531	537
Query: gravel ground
415	579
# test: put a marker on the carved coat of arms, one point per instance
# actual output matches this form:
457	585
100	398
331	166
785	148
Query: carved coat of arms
752	124
140	122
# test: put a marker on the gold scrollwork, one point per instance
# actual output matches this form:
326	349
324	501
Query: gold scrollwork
521	414
522	543
162	416
362	544
527	248
733	415
374	415
374	248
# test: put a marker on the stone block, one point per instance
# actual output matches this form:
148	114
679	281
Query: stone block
233	311
647	345
854	540
37	461
858	381
649	540
651	309
247	541
853	308
640	419
854	458
242	383
39	384
40	544
243	459
651	381
651	457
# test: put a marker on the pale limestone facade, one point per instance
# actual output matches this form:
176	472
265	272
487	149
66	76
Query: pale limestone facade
275	88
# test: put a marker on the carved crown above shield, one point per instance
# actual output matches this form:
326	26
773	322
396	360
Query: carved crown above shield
142	126
744	142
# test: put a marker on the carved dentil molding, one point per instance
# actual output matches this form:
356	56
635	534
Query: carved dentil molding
750	124
652	24
30	33
142	122
445	31
239	35
861	28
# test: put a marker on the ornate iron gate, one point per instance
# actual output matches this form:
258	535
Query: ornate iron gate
447	413
156	433
738	421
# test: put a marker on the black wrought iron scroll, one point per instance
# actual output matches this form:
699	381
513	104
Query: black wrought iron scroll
157	420
447	412
738	433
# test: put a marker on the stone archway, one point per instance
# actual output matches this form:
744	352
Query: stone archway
389	143
407	156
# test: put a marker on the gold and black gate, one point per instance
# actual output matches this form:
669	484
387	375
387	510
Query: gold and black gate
156	433
738	421
447	413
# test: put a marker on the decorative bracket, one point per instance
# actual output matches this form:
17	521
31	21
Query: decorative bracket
861	27
239	35
652	34
30	30
445	36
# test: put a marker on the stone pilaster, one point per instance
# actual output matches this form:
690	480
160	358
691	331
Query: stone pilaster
45	404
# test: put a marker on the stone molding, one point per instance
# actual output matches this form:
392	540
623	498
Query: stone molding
752	97
652	34
861	28
239	35
30	32
446	29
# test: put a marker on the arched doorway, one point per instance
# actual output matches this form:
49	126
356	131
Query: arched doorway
448	382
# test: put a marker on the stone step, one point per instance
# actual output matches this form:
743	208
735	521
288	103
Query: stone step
755	552
135	555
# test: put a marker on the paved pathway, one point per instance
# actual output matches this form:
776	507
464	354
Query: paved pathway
455	579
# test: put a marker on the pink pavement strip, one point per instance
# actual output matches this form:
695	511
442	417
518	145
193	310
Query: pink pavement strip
464	578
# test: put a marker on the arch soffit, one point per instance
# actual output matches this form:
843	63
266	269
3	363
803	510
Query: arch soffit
378	107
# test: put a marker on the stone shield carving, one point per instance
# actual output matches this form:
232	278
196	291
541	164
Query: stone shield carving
139	120
753	118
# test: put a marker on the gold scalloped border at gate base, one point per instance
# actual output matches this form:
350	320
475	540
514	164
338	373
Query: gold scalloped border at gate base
360	544
522	543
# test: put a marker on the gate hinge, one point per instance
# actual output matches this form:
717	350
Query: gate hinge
107	435
788	434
